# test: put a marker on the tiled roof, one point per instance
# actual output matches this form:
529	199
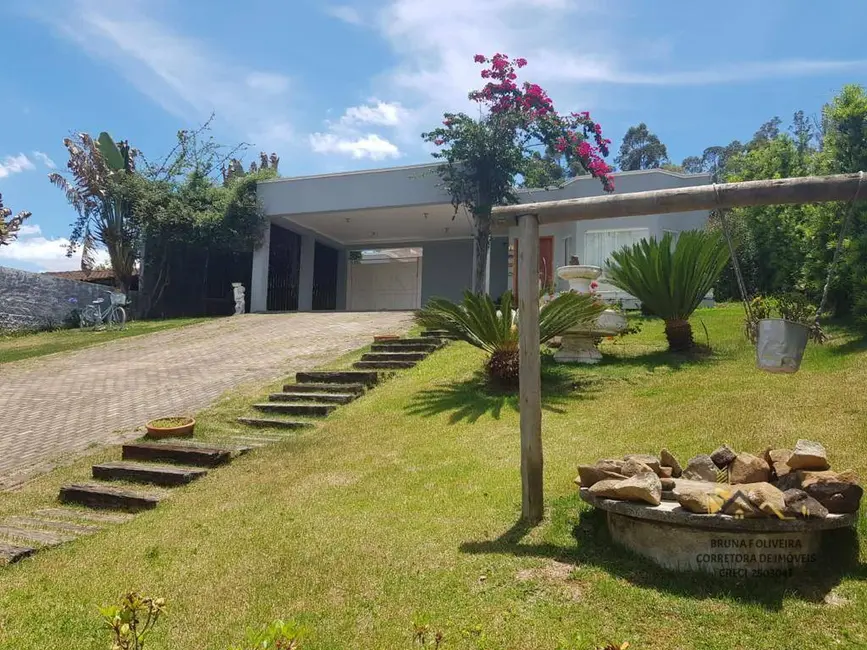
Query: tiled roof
83	276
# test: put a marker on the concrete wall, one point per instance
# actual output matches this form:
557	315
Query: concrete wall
380	188
38	301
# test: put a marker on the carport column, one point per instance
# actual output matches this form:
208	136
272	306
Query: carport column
259	281
305	273
342	279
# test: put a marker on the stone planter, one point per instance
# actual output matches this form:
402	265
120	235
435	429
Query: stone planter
182	429
578	345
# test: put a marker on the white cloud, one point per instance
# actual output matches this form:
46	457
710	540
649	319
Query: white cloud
44	159
345	13
377	112
32	251
368	146
185	76
15	164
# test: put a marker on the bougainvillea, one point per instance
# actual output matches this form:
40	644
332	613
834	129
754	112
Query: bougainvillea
482	157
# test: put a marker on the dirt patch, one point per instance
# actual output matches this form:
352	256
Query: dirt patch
554	574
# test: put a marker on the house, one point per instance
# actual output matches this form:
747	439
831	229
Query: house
391	239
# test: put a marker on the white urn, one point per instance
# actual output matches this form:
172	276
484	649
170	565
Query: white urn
578	345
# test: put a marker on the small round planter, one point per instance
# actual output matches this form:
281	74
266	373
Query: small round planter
780	345
172	427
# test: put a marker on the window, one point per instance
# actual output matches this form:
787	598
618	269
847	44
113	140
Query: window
568	250
599	244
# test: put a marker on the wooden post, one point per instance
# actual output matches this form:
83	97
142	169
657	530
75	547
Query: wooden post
532	507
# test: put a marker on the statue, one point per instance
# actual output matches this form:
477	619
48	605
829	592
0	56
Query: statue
238	292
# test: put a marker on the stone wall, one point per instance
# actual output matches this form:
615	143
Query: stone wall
39	301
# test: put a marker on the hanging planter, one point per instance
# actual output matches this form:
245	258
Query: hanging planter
780	345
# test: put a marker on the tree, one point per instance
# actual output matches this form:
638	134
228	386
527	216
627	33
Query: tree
482	157
767	132
96	187
671	279
9	225
641	149
692	165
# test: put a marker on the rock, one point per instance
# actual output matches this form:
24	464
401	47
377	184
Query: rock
665	472
668	484
809	455
739	506
667	459
838	492
702	497
632	467
651	461
747	468
589	475
611	465
778	459
723	457
700	468
644	487
767	499
789	481
801	504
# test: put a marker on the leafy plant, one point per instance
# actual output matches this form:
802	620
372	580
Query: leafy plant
9	225
493	328
671	279
278	635
132	620
792	307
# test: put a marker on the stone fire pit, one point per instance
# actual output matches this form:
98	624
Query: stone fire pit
730	514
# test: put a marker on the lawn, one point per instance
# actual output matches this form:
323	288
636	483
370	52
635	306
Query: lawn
14	347
402	510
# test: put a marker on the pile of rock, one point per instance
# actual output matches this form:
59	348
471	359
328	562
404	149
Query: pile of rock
780	482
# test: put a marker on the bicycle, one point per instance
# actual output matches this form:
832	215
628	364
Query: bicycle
113	316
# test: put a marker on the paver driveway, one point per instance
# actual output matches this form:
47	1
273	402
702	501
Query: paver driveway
56	406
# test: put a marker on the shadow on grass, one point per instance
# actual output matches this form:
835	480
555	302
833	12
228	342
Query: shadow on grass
593	546
700	356
473	398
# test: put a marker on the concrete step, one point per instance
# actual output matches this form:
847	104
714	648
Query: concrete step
273	423
341	389
10	553
394	356
107	497
438	334
384	365
177	453
61	526
311	410
400	346
319	398
162	475
367	379
35	536
426	341
85	515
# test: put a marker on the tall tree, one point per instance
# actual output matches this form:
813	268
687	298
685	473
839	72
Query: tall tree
641	149
483	156
9	225
767	132
96	187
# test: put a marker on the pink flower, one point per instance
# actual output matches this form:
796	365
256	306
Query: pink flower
479	58
486	74
520	62
584	149
439	142
594	285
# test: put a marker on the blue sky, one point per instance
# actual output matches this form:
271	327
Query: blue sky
352	84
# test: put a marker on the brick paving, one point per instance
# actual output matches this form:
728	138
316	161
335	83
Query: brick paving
53	408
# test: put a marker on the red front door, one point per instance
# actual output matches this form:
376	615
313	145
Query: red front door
546	264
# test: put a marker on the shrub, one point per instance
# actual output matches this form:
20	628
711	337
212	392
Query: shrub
132	620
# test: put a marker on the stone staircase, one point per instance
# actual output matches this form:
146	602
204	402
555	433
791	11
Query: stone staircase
148	471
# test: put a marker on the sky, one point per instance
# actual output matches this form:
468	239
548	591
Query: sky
351	84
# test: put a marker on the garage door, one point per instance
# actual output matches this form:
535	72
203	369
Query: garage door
393	284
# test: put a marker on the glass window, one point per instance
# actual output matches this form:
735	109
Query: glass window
599	244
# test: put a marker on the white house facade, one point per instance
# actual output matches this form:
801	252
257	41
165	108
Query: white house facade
390	238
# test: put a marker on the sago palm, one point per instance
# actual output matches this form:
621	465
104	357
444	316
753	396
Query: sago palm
479	321
671	279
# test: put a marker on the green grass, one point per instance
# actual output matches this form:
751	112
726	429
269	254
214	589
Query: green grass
14	347
403	508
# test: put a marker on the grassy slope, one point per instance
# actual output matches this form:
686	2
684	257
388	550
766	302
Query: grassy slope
24	346
403	506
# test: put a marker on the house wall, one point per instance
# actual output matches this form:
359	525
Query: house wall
39	301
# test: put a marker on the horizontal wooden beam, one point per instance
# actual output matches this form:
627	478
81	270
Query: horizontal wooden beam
808	189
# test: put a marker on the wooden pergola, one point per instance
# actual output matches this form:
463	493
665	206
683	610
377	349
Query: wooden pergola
528	217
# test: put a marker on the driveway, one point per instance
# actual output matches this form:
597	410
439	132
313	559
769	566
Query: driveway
55	407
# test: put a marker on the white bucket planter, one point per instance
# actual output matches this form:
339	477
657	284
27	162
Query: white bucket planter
780	345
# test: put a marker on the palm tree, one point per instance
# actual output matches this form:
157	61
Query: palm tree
671	279
493	328
97	189
9	225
